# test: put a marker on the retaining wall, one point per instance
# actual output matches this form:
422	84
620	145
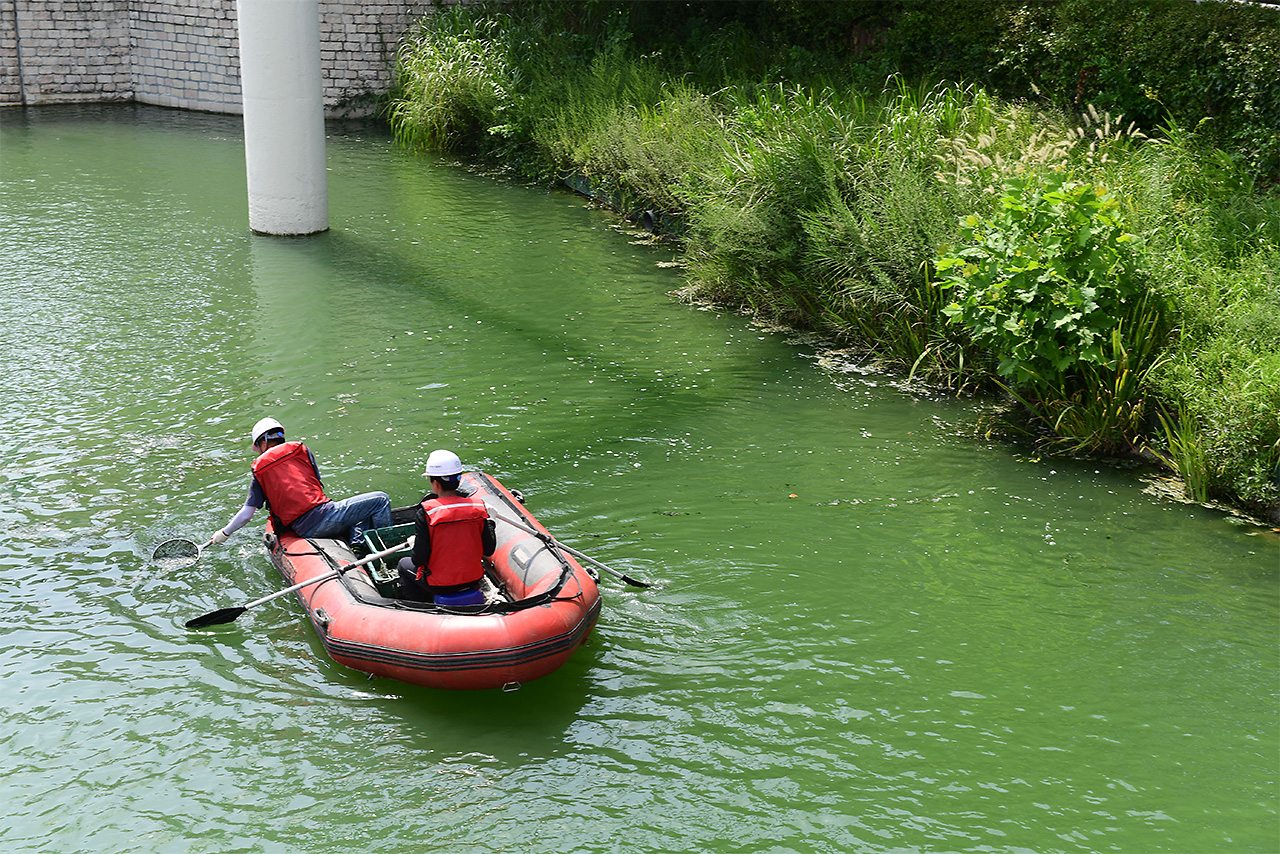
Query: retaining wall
183	53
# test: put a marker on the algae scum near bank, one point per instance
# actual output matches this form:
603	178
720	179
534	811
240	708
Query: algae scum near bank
937	644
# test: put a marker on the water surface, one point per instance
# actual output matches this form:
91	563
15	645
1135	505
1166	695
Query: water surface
869	632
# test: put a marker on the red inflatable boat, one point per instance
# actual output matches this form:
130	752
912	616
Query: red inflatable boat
540	605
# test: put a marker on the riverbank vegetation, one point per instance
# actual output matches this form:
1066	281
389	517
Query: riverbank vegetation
1070	206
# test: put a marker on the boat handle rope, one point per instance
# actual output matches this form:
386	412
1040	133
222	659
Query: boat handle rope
285	553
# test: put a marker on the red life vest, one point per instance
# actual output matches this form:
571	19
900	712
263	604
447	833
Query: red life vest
457	552
288	480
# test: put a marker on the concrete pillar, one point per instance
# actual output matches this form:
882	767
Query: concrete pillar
283	116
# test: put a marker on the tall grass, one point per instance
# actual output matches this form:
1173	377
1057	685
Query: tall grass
823	210
826	207
1214	248
453	82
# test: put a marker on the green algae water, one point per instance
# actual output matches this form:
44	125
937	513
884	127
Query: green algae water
868	631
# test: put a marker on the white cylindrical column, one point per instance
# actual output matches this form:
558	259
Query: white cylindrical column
282	89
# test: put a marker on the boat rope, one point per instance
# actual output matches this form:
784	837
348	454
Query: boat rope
317	551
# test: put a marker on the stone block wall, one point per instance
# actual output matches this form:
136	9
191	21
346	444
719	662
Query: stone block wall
184	53
358	43
9	93
59	50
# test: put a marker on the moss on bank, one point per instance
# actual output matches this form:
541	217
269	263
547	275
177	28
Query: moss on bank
828	206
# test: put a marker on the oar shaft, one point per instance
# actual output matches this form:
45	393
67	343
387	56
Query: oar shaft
301	584
537	533
571	550
325	577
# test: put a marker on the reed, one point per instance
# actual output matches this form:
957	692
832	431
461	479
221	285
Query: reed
1184	454
452	82
1105	407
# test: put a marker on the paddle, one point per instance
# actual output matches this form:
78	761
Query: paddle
177	553
227	615
548	538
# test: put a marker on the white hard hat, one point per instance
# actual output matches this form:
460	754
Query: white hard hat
264	426
443	464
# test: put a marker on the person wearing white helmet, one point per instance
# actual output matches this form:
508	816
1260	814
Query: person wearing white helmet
286	479
452	535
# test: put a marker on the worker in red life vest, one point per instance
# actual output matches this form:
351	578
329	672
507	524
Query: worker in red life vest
452	535
287	480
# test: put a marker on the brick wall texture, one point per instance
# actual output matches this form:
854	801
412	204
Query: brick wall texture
184	53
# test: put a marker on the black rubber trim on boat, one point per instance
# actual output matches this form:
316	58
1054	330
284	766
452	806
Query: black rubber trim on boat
444	663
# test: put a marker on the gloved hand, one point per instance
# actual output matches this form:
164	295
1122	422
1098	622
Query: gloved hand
218	538
409	542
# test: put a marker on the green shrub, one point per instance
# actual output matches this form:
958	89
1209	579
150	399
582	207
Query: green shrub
1043	284
1052	286
1211	64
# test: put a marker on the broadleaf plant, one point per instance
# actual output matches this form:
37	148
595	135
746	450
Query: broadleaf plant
1045	281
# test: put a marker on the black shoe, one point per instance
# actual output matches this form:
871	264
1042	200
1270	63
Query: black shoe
360	550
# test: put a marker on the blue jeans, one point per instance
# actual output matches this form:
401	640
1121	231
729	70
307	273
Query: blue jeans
347	519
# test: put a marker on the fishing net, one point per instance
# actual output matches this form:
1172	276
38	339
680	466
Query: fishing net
174	553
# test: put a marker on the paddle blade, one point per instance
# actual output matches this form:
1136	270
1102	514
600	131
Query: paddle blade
176	553
216	618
